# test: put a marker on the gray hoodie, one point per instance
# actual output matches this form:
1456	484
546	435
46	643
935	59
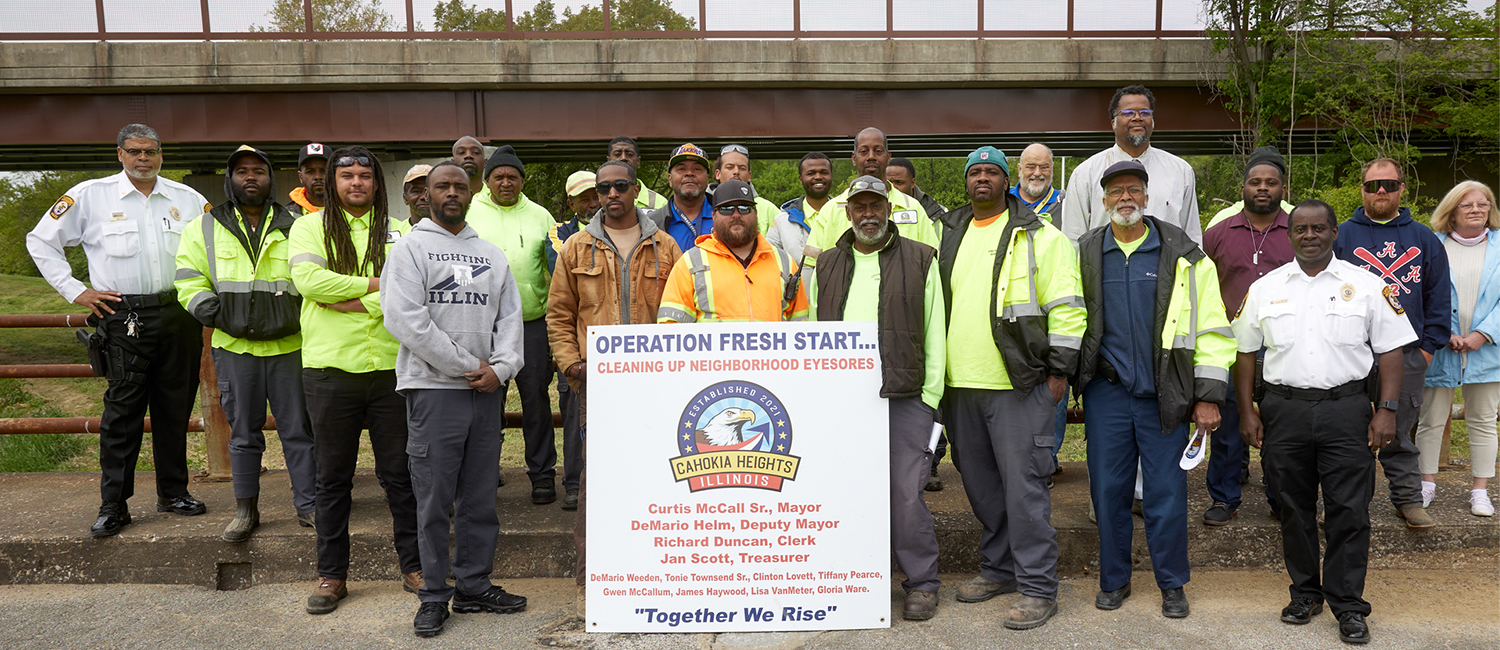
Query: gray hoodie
453	304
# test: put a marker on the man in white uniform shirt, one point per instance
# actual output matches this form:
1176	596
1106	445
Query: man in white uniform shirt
1323	323
129	225
1174	193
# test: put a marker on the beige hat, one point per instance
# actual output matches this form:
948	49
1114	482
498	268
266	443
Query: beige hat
417	171
580	181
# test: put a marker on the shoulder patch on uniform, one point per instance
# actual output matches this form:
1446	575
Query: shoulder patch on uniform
1390	299
61	207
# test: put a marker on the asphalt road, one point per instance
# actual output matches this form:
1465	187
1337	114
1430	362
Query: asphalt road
1232	609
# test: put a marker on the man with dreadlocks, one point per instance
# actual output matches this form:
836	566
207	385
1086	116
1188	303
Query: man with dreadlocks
349	364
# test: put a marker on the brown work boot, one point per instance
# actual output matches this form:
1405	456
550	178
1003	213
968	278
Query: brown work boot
411	582
1030	612
920	606
980	589
1417	518
325	598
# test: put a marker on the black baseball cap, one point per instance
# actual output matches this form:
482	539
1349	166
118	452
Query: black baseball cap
312	150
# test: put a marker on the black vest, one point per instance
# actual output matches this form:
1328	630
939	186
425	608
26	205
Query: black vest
904	265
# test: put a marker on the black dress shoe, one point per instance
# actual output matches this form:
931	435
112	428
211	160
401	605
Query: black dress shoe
1301	611
1352	628
184	505
1174	603
1111	600
112	517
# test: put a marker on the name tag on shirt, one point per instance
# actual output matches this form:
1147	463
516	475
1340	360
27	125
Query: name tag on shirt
904	217
117	216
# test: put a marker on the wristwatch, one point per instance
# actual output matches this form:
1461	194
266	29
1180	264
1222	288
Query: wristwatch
1389	405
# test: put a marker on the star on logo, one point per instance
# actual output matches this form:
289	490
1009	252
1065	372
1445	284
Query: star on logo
783	435
781	423
686	436
780	448
687	424
686	449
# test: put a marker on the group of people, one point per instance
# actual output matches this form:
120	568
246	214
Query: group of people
1340	347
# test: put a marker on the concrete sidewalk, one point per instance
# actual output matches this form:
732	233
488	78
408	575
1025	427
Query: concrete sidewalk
1232	609
44	520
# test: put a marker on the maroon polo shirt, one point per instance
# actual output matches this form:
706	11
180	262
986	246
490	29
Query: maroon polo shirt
1233	244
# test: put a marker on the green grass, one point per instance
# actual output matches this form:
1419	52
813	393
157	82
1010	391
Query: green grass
35	452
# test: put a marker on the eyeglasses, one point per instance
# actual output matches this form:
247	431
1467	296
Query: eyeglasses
152	153
729	210
1387	184
735	148
1130	114
860	186
362	161
621	186
1117	192
1481	206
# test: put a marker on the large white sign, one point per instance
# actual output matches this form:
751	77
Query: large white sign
738	478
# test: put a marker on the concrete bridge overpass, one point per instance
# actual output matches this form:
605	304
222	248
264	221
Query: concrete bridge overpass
61	102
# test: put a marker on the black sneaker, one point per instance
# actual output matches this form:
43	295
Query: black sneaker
543	491
1219	514
570	500
934	484
429	621
112	517
493	599
184	505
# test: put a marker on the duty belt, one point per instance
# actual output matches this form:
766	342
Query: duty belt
133	301
1356	387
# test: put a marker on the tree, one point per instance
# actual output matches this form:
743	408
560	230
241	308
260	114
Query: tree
627	15
329	16
25	198
1376	72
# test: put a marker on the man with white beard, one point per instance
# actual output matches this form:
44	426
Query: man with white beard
1034	185
1142	384
1174	198
874	273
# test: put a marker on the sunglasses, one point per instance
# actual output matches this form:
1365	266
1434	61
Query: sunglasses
362	161
728	210
1387	184
619	186
860	186
735	148
1130	114
149	152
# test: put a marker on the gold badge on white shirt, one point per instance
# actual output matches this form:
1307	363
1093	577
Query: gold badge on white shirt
1347	291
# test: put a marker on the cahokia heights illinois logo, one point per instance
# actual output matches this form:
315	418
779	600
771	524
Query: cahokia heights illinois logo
734	434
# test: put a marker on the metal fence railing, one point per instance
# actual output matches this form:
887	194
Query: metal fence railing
119	20
210	419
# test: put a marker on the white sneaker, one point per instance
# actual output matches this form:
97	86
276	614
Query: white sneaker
1429	490
1479	504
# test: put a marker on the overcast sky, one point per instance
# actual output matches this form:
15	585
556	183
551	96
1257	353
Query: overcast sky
239	15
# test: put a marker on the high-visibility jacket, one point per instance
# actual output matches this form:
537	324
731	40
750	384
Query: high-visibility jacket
648	199
1036	311
1195	345
350	341
708	284
522	232
244	293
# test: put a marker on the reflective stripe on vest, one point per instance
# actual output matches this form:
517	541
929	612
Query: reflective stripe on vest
702	294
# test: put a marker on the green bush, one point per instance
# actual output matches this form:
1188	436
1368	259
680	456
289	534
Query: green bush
34	452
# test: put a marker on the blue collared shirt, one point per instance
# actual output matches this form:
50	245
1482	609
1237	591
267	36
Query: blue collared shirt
686	233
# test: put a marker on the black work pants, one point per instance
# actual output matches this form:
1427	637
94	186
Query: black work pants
536	405
156	369
1325	443
339	405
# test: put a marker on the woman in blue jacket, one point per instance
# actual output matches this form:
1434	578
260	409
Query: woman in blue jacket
1468	223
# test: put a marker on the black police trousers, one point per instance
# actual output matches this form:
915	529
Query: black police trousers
1324	443
155	370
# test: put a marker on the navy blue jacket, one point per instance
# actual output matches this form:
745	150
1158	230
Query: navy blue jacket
1410	259
1130	334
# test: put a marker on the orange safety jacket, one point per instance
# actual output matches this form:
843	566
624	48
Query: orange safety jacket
708	284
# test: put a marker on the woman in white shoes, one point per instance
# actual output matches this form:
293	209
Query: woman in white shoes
1467	221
